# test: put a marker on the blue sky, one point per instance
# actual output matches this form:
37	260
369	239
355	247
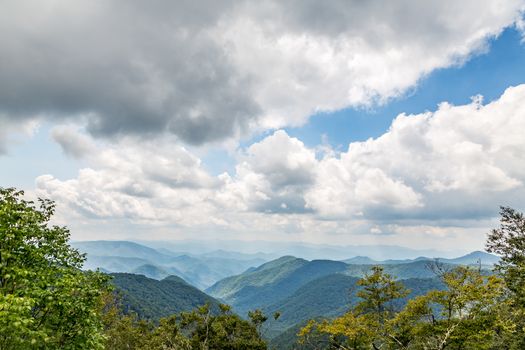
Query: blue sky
488	74
217	134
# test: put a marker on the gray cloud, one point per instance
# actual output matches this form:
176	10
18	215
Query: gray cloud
72	142
123	67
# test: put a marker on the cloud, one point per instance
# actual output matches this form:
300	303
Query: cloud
307	56
123	67
11	131
149	182
72	142
456	162
272	175
207	71
442	174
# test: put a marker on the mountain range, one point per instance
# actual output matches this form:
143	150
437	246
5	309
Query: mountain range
199	270
474	258
271	250
164	281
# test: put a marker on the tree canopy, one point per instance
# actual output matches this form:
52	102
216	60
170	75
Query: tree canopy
46	301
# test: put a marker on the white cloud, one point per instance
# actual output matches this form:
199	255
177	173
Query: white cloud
469	157
153	182
271	175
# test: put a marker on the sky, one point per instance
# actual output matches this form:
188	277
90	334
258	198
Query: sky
341	122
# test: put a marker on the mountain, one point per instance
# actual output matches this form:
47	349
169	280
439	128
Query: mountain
302	289
151	271
414	269
220	253
267	273
361	260
474	258
153	299
326	296
130	257
271	282
205	271
121	249
113	263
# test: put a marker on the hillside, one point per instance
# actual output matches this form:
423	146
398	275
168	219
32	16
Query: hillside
474	258
153	299
301	289
328	296
272	282
325	296
264	274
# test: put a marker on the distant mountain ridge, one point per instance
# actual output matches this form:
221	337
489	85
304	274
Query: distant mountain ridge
473	258
131	257
272	250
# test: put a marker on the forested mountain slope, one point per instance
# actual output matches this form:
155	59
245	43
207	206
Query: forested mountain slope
271	282
153	299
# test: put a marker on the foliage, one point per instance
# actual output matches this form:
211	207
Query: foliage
509	242
199	329
46	301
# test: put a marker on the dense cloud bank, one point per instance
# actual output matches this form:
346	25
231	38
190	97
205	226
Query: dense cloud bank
207	71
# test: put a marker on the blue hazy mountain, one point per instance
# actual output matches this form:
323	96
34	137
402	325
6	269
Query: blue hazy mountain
474	258
273	250
130	257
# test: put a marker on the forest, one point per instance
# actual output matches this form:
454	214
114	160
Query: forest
47	300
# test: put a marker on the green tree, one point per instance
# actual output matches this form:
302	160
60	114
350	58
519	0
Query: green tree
508	241
123	331
46	301
367	325
461	316
201	329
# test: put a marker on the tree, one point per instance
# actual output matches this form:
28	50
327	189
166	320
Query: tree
462	315
46	301
367	325
508	241
200	329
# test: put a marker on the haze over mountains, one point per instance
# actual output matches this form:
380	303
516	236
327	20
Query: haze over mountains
199	270
203	269
157	282
271	250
